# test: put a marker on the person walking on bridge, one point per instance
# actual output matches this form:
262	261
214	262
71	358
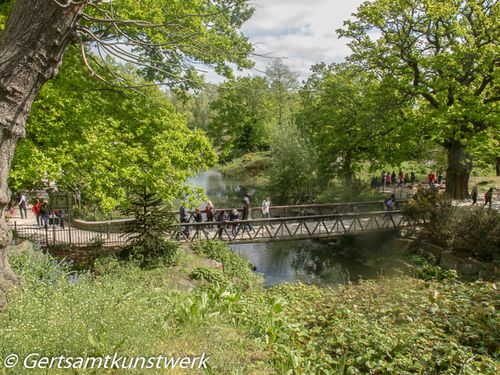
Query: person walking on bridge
265	209
221	219
389	205
246	212
234	216
184	218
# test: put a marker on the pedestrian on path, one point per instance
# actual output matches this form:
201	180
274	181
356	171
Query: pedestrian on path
431	177
36	212
473	195
22	206
488	196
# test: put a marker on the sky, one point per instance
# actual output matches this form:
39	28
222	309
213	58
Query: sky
301	32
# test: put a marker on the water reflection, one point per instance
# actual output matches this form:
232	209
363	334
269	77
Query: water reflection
304	261
291	261
224	191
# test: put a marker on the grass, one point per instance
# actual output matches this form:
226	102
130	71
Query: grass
399	325
249	169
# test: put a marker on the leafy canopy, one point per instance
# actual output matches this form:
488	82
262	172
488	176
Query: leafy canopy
443	53
85	136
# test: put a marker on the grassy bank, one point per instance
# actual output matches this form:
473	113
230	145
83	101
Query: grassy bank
218	306
249	169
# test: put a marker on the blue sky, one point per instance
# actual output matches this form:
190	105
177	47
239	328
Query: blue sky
300	32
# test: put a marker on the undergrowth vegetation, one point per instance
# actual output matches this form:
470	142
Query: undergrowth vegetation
474	231
389	326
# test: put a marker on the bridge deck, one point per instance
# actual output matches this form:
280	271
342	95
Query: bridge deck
242	231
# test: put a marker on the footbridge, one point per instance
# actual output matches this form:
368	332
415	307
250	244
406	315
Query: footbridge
293	222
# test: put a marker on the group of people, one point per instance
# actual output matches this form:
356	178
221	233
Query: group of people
224	217
488	196
43	214
401	179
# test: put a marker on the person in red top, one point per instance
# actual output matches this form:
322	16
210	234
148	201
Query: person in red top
36	211
488	196
432	177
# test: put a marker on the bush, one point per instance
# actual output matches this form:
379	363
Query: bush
147	233
209	275
236	268
474	231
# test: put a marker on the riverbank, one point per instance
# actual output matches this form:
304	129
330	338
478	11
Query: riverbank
390	325
249	169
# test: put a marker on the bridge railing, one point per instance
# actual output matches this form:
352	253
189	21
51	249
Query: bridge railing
115	226
313	209
295	227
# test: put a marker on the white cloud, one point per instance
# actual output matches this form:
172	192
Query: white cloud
299	31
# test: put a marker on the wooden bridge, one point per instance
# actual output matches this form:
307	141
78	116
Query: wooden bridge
286	223
292	228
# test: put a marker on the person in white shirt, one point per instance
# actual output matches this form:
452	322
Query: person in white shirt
22	206
265	208
266	204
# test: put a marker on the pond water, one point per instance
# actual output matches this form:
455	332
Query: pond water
296	261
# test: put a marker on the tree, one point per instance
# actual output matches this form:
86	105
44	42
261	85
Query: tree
86	137
166	39
242	116
283	86
292	176
147	233
445	56
351	118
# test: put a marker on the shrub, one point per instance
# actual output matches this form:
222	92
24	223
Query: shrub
475	231
209	275
236	268
147	233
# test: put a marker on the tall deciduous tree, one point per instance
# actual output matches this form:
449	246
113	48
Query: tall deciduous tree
165	38
351	118
242	118
283	86
85	136
446	55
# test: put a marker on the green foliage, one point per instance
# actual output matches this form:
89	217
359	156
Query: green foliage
5	8
474	231
293	172
395	326
249	169
242	120
87	137
147	232
172	39
209	275
350	117
444	55
235	268
429	271
123	309
389	326
37	268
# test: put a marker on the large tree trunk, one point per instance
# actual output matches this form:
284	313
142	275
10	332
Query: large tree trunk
458	172
31	49
498	166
